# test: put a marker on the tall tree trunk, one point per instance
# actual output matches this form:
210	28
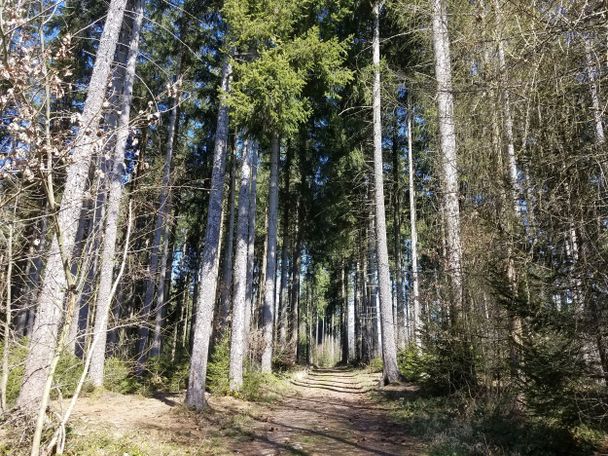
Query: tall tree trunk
195	396
84	259
115	192
158	251
596	105
358	311
57	279
226	284
164	290
399	313
271	252
389	348
515	323
283	295
251	244
416	318
449	165
295	284
239	306
343	320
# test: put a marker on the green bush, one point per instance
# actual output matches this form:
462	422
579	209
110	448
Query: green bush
218	381
489	423
448	363
262	387
375	365
555	381
411	363
67	374
16	362
164	374
118	376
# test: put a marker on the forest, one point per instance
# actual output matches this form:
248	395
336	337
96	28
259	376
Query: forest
279	227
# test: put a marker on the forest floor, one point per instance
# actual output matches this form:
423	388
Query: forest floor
325	412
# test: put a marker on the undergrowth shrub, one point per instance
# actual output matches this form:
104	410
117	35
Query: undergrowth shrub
218	368
118	376
67	375
448	363
16	362
489	424
411	363
556	384
375	365
262	387
164	374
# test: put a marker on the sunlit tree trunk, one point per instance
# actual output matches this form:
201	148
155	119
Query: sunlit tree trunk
596	105
284	277
195	395
250	298
239	304
271	252
295	283
226	283
515	323
115	192
389	347
154	281
416	317
448	157
56	282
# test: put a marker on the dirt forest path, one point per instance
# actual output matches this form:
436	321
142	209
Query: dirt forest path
329	412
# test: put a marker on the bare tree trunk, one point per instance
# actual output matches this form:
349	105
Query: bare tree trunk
515	323
269	295
449	165
251	244
295	284
389	348
415	292
592	71
162	294
56	282
86	227
399	301
195	396
160	233
283	295
262	290
115	192
239	306
358	310
226	285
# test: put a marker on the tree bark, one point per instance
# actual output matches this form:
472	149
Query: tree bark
195	395
448	156
251	244
157	254
596	105
389	348
351	317
283	286
271	252
56	281
115	192
415	293
239	305
399	311
226	285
